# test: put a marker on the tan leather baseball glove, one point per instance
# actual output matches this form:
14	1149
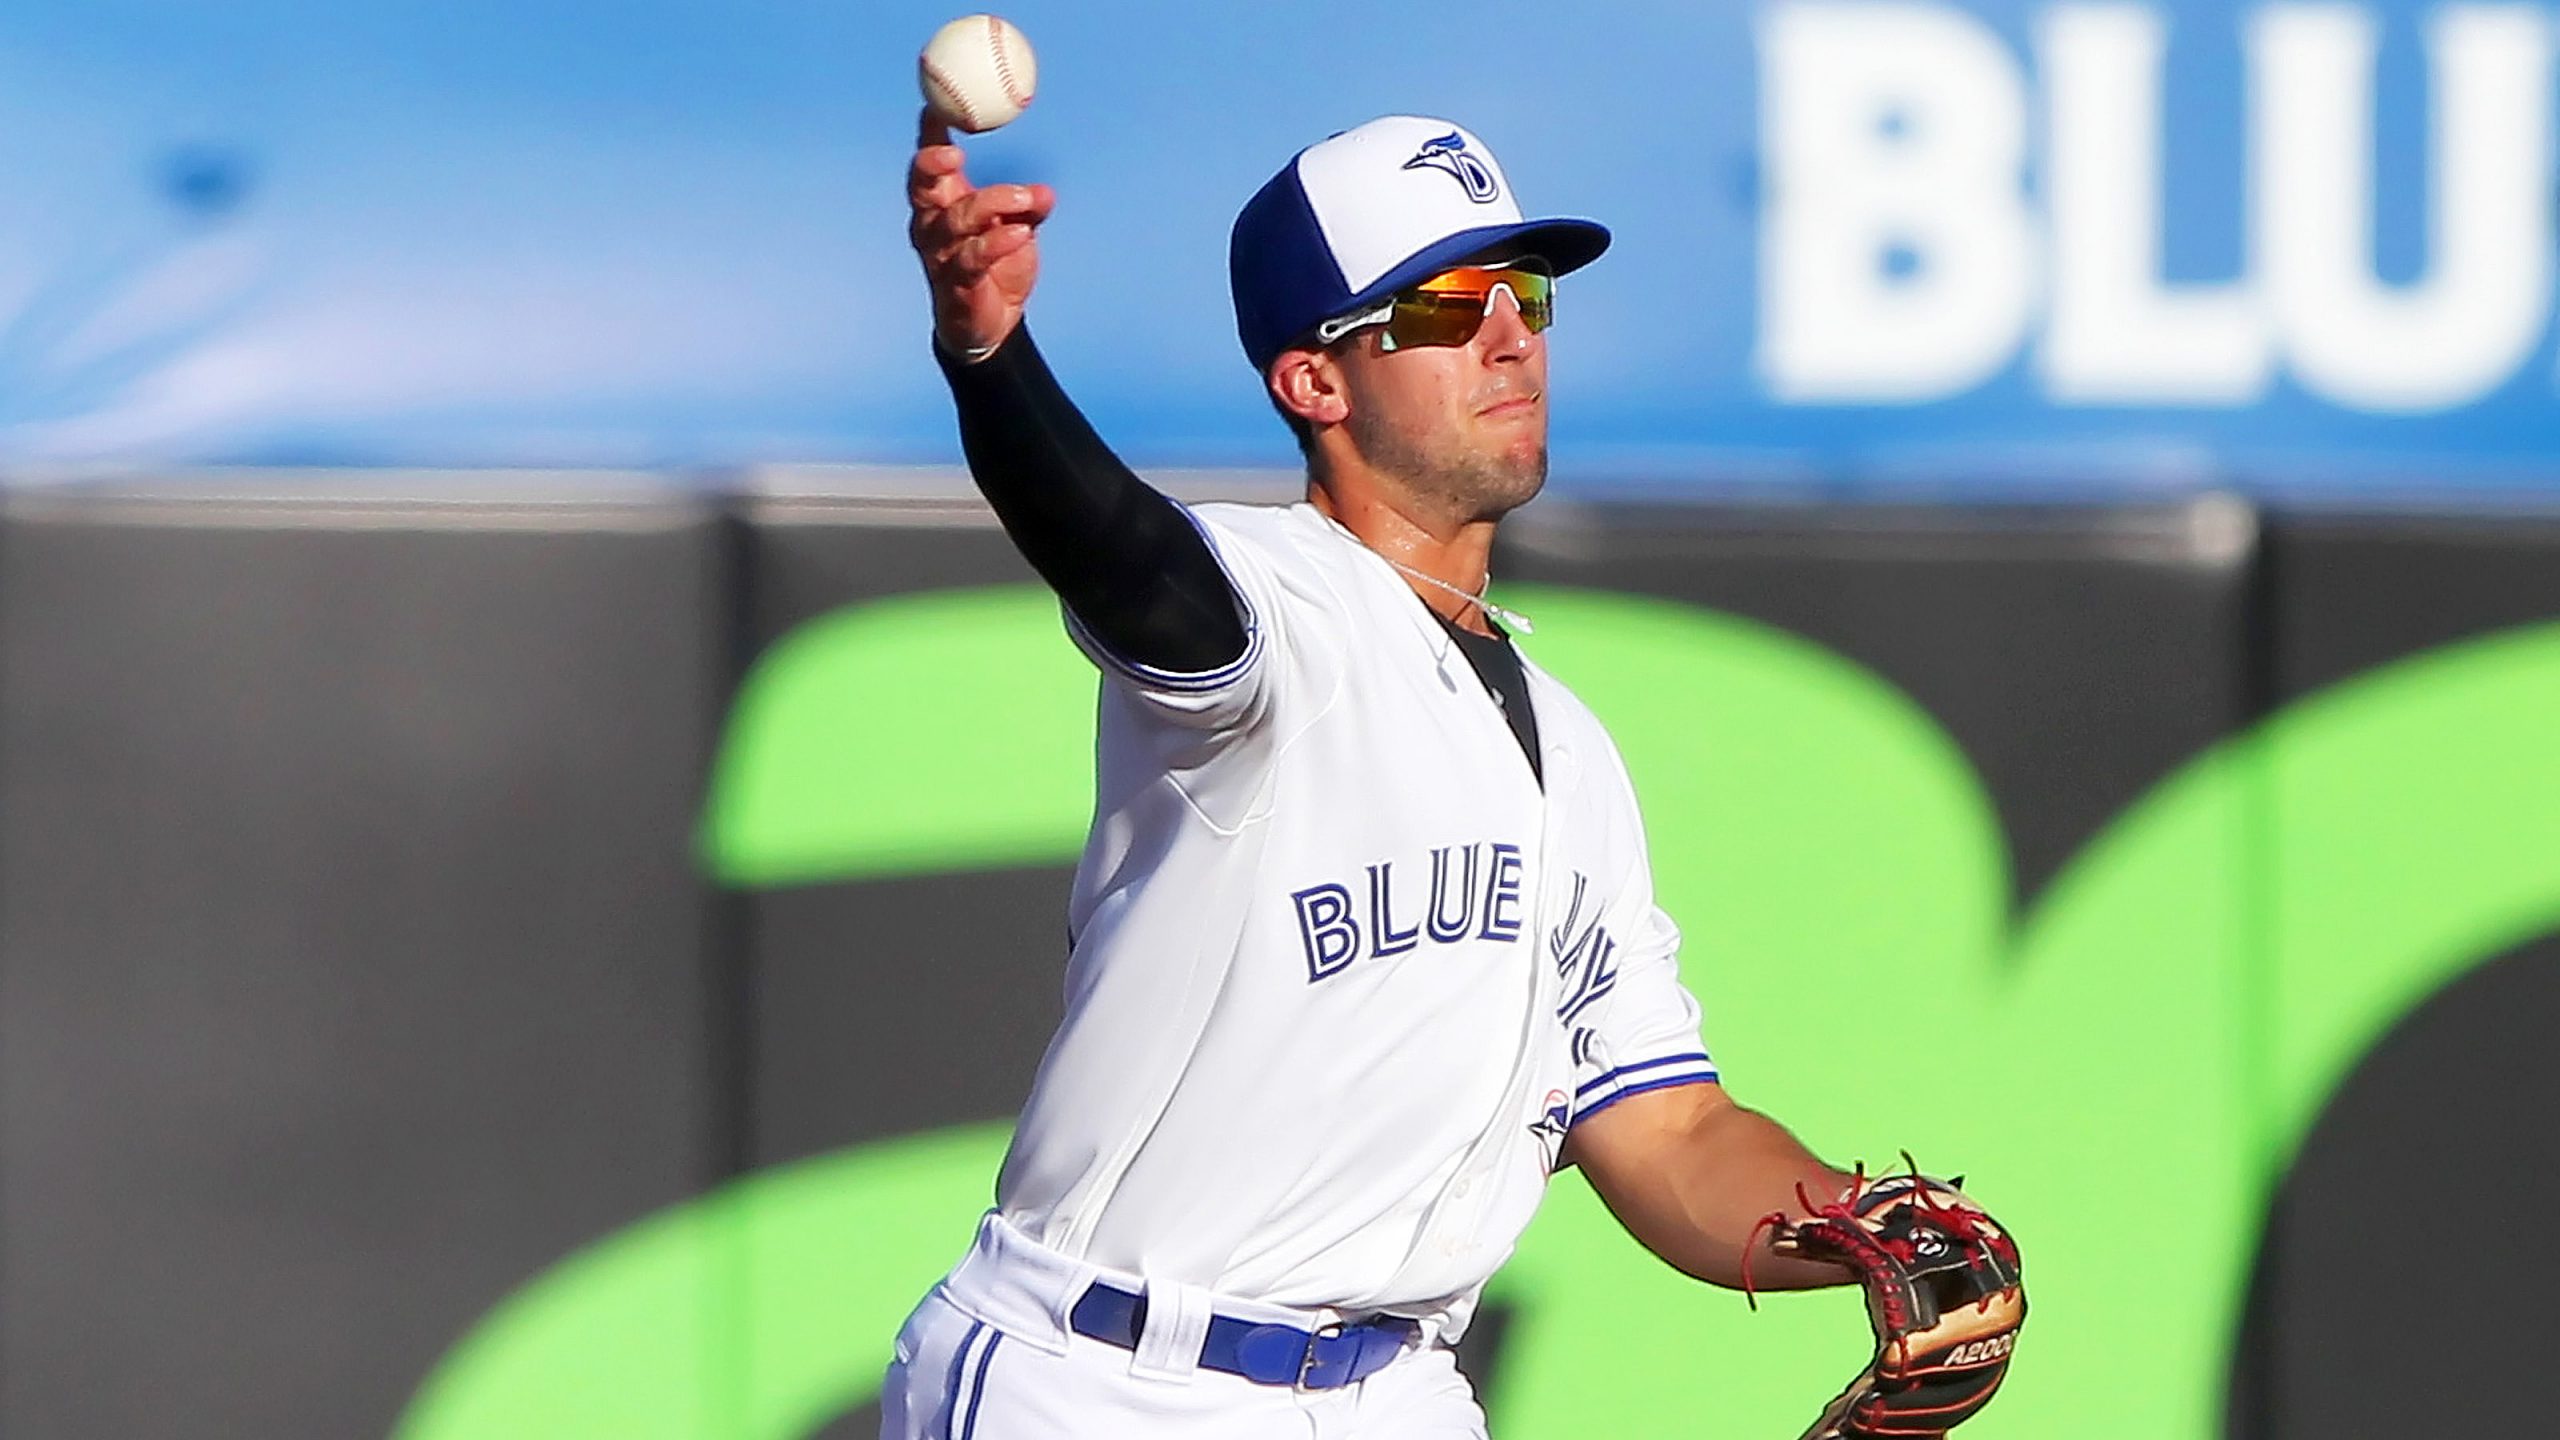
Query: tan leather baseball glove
1943	1292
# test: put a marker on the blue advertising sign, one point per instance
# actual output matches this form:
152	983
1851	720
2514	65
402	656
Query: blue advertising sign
1908	244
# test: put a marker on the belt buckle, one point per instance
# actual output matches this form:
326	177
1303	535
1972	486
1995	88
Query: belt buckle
1315	1340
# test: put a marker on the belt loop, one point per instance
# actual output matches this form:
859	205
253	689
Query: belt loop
1177	1322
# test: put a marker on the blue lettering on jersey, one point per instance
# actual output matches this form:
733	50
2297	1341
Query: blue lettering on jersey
1502	897
1384	937
1475	893
1325	924
1449	925
1586	960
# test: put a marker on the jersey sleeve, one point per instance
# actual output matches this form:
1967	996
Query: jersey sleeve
1228	694
1642	1033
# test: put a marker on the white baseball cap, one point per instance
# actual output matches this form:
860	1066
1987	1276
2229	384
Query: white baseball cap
1355	218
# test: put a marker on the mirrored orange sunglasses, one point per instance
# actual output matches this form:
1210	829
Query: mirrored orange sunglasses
1450	307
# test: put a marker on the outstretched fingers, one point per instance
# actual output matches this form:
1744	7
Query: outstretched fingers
983	210
970	261
996	242
930	129
935	177
983	225
936	180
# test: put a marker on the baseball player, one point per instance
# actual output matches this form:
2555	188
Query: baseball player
1364	945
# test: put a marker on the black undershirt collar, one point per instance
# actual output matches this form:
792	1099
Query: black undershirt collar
1498	666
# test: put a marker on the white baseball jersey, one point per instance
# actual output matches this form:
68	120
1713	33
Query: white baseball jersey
1343	972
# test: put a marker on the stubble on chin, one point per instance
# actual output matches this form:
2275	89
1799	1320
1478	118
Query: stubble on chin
1467	485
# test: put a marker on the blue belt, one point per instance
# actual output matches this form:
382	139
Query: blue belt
1326	1359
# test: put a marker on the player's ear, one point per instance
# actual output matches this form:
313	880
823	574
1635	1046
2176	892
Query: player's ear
1308	384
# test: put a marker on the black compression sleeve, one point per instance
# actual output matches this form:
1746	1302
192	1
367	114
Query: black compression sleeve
1126	560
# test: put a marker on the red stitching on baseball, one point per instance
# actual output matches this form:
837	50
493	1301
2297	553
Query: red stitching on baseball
951	95
1004	67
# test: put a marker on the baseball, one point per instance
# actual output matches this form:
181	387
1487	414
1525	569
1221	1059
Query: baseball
977	72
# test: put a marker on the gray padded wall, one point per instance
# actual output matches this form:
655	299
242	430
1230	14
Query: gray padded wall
352	964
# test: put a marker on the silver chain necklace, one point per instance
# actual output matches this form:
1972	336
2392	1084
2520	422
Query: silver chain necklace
1510	617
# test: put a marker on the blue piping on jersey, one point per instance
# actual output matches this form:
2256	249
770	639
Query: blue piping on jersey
951	1385
1167	680
1173	681
1666	1082
1587	1086
978	1385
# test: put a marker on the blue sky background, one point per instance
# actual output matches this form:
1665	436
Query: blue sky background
668	232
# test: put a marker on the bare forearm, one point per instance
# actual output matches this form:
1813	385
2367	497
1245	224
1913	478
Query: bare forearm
1713	1172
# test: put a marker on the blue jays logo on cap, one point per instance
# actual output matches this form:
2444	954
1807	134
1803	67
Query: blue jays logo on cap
1449	153
1357	217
